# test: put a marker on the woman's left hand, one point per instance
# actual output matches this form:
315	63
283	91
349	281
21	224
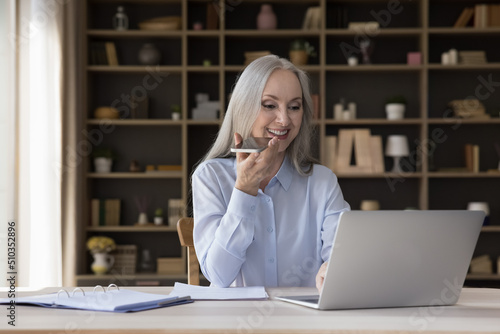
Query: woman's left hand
320	276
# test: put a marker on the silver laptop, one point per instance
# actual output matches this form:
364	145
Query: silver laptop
396	259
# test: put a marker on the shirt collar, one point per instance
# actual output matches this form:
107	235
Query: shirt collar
284	175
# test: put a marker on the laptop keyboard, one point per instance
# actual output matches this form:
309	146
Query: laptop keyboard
312	300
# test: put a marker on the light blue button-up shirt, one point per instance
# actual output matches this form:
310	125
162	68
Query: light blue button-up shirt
278	238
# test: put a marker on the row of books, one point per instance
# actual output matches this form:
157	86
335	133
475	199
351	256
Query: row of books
484	15
472	158
103	53
105	212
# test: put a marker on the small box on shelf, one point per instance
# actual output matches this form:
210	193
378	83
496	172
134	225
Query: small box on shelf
171	265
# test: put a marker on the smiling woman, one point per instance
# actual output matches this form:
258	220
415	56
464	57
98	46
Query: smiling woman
265	218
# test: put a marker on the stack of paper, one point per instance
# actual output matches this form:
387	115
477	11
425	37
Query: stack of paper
472	57
213	293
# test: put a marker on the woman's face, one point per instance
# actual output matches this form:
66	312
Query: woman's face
281	109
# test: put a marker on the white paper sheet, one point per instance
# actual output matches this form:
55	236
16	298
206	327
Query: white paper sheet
213	293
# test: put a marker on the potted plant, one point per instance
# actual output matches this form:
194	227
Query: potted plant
158	220
103	159
300	51
176	111
99	247
395	107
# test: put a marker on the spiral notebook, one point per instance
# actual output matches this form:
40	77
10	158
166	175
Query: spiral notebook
106	299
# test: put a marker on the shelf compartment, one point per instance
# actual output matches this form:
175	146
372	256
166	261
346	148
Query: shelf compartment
385	49
445	86
127	50
100	13
139	175
162	89
443	196
442	43
243	14
237	46
134	69
133	33
371	103
210	47
374	121
411	165
132	229
134	122
147	145
403	14
447	149
395	196
375	68
375	33
157	192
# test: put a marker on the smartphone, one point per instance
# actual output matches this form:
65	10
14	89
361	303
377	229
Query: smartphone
252	144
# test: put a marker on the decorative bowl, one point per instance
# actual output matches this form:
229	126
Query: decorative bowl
162	23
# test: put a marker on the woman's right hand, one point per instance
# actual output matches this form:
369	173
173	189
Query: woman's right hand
253	168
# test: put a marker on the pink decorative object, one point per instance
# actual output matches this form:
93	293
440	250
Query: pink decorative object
414	58
266	20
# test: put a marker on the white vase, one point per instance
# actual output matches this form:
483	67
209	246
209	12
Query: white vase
395	110
102	263
143	218
103	165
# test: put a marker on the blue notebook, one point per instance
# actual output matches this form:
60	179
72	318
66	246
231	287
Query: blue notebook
116	300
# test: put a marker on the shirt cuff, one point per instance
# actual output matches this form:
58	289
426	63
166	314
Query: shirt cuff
242	204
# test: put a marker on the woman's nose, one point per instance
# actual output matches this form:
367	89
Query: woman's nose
282	116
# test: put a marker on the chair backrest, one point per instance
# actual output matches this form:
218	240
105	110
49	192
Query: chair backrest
185	230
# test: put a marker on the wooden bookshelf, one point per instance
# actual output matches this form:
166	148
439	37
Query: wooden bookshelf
423	26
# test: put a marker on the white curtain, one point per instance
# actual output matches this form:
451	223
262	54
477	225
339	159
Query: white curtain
39	43
7	129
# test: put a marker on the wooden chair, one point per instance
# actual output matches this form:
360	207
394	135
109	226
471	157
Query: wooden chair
185	231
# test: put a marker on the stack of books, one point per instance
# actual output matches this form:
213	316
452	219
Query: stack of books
252	55
472	57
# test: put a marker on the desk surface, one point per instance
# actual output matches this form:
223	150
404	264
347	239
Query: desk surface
477	311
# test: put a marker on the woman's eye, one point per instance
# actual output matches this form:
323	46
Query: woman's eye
295	108
268	106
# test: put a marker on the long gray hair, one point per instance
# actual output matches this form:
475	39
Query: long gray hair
245	105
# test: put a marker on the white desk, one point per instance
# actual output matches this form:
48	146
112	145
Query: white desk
477	311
